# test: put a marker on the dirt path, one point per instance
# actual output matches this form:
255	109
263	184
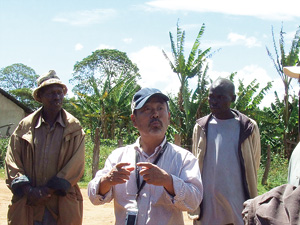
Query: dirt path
92	215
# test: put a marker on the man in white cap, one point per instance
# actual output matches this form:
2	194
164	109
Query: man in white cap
45	160
294	164
151	181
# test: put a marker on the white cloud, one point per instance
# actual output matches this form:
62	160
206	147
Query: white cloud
266	9
155	70
127	40
78	47
249	42
85	17
248	73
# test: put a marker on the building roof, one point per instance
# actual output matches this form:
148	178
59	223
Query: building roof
13	99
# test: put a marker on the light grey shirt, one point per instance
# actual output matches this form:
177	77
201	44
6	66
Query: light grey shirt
155	205
222	177
294	167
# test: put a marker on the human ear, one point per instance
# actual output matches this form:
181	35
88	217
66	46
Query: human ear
233	98
132	117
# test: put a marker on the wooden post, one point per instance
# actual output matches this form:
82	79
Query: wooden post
268	163
96	152
120	143
177	139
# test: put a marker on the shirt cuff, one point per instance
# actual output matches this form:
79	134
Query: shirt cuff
94	196
179	189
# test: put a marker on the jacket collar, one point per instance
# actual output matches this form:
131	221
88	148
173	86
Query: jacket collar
246	125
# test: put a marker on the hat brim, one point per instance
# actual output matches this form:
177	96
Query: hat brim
292	71
47	83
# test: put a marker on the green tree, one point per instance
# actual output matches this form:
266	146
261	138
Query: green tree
24	95
273	127
186	69
249	97
285	59
17	76
108	109
105	83
104	67
195	106
19	80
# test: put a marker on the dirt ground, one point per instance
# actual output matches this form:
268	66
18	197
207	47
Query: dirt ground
92	215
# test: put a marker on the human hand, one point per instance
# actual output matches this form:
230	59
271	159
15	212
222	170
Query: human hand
38	195
154	175
119	174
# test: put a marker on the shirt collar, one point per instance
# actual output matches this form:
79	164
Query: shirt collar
137	147
41	120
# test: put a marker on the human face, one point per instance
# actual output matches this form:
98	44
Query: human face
153	119
219	100
52	97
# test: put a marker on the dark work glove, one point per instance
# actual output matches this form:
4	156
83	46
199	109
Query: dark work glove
36	195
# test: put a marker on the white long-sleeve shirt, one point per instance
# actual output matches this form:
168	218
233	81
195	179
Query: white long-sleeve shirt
155	205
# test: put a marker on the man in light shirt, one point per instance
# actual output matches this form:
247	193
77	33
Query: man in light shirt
227	145
151	181
294	164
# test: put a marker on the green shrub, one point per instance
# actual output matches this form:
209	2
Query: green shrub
277	174
3	148
106	147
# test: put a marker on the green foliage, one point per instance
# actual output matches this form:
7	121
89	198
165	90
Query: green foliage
3	149
17	76
108	109
286	59
277	175
102	68
195	106
105	84
106	146
24	95
2	174
186	108
18	80
248	100
273	130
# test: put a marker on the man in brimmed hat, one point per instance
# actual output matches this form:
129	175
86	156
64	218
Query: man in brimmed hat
45	160
151	181
294	164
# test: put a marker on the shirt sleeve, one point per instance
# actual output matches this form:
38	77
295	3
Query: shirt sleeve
93	191
93	186
188	185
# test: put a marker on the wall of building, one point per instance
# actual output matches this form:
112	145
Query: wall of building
10	113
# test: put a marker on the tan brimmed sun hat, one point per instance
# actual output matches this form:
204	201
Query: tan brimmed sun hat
292	71
45	80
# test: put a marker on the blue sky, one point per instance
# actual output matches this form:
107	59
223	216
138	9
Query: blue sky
56	34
